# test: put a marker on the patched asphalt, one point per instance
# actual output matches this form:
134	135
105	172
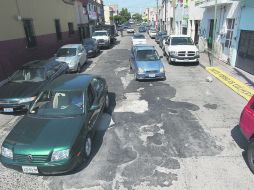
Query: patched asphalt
155	134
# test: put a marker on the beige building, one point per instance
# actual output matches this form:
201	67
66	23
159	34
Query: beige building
108	13
34	29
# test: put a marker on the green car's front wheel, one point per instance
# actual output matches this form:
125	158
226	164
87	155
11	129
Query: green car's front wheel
87	147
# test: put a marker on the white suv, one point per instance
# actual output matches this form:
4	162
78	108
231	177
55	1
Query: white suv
180	48
102	37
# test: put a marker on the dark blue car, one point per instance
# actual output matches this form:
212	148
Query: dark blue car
146	63
141	29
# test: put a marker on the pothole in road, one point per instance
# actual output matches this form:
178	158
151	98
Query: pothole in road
211	106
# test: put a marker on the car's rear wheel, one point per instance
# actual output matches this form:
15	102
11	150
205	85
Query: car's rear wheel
250	155
79	68
87	150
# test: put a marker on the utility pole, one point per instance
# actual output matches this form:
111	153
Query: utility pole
214	34
174	15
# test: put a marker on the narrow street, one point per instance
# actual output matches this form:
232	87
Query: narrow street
181	133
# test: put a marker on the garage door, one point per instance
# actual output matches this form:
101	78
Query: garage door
245	55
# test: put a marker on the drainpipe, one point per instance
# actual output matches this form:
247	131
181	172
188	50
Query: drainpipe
214	34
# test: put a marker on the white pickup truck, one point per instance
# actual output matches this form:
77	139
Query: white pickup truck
180	48
102	37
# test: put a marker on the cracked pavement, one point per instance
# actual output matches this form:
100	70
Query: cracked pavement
180	133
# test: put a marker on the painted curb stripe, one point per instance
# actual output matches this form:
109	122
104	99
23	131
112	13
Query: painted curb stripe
237	86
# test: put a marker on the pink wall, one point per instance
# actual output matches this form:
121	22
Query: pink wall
13	53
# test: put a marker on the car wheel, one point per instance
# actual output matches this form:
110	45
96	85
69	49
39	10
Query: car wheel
87	147
106	107
250	155
135	76
79	68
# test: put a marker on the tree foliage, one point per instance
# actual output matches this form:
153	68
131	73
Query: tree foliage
125	15
137	17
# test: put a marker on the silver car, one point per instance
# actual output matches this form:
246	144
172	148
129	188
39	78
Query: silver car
74	55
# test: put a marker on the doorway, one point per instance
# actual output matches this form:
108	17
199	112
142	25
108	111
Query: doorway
245	54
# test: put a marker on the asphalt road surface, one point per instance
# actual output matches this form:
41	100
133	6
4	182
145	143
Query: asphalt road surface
181	133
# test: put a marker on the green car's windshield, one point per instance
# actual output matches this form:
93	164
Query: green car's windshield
147	55
29	75
58	103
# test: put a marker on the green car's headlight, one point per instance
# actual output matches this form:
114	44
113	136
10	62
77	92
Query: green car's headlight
60	155
24	100
6	152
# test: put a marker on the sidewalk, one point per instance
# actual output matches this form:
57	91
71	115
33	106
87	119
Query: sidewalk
238	80
244	77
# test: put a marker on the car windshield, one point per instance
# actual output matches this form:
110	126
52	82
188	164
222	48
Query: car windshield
153	30
89	42
58	103
138	36
29	75
66	52
100	34
181	41
147	55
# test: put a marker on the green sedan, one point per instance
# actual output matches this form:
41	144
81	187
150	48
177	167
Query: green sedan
56	134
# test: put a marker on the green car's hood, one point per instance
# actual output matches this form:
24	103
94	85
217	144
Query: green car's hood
41	136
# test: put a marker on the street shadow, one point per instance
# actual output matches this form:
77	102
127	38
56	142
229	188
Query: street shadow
241	142
86	65
101	126
249	81
183	64
239	138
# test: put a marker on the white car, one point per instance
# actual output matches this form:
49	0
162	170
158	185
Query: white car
130	30
102	37
152	33
180	48
74	55
138	39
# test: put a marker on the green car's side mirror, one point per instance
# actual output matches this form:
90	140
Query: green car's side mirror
94	107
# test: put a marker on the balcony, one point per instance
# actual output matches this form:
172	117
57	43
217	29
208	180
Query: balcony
211	3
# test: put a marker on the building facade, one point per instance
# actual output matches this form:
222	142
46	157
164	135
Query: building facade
33	30
108	14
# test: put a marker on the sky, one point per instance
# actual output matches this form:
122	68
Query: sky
134	6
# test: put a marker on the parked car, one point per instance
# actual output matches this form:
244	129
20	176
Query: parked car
130	30
102	37
180	48
56	134
141	29
158	36
74	55
162	40
91	47
146	63
247	128
138	39
152	33
21	89
111	29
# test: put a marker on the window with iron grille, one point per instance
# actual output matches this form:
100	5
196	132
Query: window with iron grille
29	32
71	28
58	29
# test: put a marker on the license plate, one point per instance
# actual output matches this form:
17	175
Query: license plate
30	169
151	75
8	110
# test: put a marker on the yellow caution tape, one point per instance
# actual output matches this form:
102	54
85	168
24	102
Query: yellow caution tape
239	87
